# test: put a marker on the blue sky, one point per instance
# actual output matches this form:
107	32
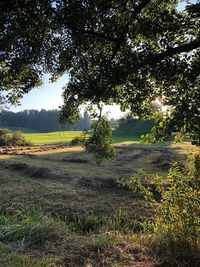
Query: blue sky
49	95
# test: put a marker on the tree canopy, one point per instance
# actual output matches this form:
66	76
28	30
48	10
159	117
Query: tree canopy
118	51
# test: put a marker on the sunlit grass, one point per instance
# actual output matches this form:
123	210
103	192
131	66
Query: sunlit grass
52	137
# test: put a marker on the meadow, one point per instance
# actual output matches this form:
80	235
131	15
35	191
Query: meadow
58	208
68	136
52	137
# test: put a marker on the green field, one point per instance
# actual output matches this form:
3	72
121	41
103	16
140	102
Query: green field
128	133
67	136
51	138
131	131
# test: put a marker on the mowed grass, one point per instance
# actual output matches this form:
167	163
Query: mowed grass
52	137
58	208
68	136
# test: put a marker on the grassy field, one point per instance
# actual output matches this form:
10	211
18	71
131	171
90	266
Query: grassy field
58	208
51	138
128	133
67	136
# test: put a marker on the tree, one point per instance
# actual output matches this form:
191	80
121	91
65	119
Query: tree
118	51
99	143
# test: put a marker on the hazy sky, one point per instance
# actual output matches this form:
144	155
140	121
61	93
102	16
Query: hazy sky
49	95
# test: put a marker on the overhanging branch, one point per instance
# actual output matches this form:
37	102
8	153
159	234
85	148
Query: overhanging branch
155	58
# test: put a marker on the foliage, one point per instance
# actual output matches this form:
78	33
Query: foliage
5	136
18	139
100	142
176	226
166	125
120	51
76	141
8	138
2	102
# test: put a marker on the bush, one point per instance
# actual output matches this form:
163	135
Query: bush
18	139
76	141
175	229
7	138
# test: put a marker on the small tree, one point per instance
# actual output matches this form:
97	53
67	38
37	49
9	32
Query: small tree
100	142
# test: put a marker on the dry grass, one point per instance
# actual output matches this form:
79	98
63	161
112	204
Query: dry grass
67	184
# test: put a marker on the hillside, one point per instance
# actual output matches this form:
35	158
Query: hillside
132	130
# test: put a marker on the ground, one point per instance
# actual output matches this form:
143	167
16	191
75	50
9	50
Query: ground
58	208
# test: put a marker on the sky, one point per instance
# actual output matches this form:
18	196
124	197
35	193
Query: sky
49	95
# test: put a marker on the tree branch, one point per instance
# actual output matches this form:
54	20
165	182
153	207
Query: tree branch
156	58
139	8
172	51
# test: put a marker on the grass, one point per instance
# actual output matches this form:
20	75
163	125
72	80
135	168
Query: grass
58	208
33	228
127	134
52	138
68	136
131	131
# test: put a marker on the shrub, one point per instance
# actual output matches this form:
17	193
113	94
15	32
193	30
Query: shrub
18	139
76	141
176	226
5	137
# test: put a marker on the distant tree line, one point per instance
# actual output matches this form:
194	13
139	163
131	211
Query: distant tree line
40	121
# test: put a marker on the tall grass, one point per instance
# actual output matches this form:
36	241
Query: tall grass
31	229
